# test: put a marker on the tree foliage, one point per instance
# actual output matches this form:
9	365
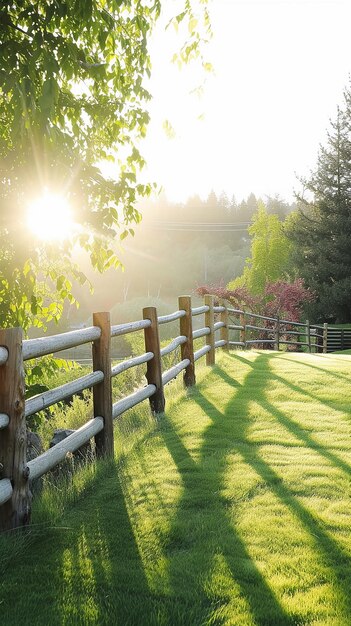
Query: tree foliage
321	229
280	298
270	253
72	94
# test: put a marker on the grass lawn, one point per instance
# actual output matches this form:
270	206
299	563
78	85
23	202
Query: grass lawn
234	509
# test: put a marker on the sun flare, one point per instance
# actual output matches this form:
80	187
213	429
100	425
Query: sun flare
50	218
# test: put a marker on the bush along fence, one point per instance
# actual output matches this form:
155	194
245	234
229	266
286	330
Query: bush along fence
224	327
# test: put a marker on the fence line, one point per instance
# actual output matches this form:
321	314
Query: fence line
220	321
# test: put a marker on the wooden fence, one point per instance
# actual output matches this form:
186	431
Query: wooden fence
338	339
223	327
274	332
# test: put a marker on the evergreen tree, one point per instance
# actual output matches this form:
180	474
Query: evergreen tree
321	229
247	208
223	212
275	204
233	208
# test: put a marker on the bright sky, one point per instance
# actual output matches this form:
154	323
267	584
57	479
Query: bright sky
280	70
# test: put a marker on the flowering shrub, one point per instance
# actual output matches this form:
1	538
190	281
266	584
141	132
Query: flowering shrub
279	298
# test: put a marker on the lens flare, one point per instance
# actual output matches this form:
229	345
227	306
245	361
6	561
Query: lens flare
49	217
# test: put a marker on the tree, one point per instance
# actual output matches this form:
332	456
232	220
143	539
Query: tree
247	209
321	229
275	204
270	253
72	94
281	298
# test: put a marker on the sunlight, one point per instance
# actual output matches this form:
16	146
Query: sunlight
49	217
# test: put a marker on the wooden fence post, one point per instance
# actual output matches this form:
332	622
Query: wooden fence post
187	348
314	344
102	392
242	320
342	337
277	334
154	367
13	447
308	333
209	323
224	334
325	337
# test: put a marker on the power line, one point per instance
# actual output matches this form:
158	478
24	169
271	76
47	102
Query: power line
199	227
180	223
201	230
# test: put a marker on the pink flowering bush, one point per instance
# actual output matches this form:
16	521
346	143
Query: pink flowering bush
280	298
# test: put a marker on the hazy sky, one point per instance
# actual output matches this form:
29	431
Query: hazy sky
280	69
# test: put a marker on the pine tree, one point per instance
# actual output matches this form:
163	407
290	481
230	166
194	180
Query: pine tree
321	230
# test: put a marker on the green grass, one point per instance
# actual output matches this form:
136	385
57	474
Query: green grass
233	509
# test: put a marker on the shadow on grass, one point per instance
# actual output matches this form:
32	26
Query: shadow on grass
321	369
335	406
258	395
192	552
90	570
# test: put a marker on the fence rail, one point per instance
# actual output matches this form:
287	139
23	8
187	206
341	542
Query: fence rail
338	339
17	473
131	327
4	420
5	490
173	345
133	399
34	348
55	455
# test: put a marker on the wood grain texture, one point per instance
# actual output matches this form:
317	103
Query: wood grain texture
33	348
102	392
15	512
154	367
187	349
210	338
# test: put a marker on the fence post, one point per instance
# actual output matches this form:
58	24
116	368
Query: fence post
102	392
209	322
13	447
277	334
308	333
242	336
314	344
154	367
187	348
224	334
342	337
325	337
